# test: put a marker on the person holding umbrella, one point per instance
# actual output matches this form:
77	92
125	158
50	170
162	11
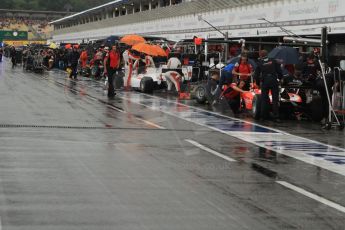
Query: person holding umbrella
267	75
149	63
131	64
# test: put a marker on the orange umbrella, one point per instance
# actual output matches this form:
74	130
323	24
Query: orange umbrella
152	50
68	46
160	51
132	39
145	48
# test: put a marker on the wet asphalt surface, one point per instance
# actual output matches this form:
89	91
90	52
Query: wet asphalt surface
70	158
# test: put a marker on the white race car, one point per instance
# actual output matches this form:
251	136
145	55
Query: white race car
154	78
145	82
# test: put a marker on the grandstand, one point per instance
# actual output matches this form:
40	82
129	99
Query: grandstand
179	19
34	23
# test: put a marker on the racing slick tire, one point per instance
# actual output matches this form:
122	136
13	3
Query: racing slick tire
256	110
146	85
200	94
316	109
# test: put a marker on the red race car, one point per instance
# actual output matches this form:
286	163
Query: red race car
251	100
292	102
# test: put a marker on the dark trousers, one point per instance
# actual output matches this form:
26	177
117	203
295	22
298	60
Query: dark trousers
74	71
14	61
111	75
235	103
265	100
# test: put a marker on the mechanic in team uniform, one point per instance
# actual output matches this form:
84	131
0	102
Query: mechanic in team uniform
243	71
235	80
112	65
311	68
267	75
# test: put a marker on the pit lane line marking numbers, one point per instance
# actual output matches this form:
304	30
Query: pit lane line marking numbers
200	146
300	148
312	196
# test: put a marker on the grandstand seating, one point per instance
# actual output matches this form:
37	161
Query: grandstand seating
37	29
34	22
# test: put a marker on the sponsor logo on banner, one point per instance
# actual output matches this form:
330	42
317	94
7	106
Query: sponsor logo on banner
333	6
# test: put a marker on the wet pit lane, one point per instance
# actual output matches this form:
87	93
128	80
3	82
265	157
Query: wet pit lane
71	158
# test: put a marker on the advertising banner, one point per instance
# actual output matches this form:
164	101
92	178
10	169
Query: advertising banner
13	35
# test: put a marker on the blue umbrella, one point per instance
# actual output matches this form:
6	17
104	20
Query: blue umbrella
286	55
237	59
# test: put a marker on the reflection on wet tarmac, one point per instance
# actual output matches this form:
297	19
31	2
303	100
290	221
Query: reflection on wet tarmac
126	174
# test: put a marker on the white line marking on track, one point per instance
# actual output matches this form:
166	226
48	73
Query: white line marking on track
210	150
255	138
312	196
114	108
150	123
242	120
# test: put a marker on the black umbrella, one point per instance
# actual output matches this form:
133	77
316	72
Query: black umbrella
286	55
237	59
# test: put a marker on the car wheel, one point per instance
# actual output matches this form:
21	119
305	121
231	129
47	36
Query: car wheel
256	110
200	94
146	85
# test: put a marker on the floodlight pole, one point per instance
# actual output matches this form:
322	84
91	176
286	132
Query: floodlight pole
282	28
225	35
324	50
202	19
